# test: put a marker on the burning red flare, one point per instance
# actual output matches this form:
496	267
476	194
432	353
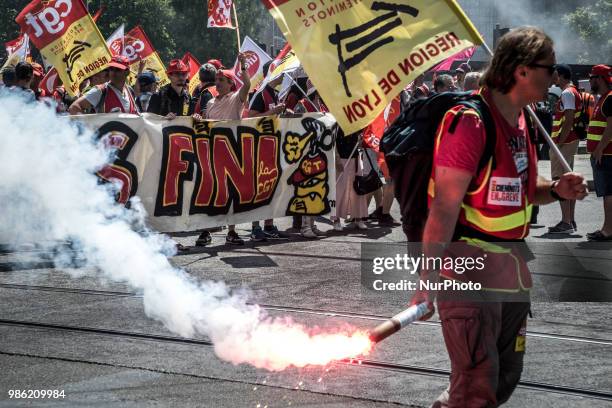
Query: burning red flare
279	344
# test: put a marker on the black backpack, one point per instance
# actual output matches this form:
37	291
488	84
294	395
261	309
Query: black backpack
582	123
408	146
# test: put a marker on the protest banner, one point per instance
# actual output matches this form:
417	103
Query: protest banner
220	172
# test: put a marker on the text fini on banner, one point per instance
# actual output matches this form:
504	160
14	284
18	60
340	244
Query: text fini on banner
191	176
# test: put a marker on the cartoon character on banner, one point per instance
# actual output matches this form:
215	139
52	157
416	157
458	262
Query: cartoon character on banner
311	178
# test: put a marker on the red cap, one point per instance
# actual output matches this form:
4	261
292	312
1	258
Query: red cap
177	66
38	69
119	61
216	63
603	71
229	74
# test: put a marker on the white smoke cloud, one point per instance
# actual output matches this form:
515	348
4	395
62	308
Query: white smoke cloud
568	45
49	193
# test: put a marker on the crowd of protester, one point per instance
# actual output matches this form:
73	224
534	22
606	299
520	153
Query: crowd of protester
217	97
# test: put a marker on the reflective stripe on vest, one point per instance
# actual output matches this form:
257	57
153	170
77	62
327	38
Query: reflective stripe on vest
596	130
597	127
483	212
498	224
505	221
559	117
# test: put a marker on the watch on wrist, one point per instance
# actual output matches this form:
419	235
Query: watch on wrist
553	193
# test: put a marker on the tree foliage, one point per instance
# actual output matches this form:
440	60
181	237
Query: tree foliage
9	30
191	33
593	24
173	26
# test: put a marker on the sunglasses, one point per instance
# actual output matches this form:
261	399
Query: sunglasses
593	76
550	68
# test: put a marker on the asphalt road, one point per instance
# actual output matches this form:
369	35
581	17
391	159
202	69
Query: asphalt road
61	332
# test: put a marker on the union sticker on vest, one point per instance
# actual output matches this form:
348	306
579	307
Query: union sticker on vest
505	191
521	160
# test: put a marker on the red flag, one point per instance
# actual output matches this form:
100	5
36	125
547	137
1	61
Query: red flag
374	131
96	16
50	81
447	63
193	64
137	45
220	13
194	67
20	46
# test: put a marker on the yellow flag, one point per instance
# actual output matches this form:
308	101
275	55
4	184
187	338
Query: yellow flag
285	61
138	47
153	63
67	37
361	53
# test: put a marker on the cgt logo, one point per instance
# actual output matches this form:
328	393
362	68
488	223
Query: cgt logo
133	49
116	46
252	62
50	18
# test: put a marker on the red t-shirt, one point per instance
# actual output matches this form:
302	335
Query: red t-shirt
463	148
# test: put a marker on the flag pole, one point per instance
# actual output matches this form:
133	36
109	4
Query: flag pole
547	137
237	26
301	90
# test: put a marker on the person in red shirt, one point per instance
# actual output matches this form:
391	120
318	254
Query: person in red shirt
480	206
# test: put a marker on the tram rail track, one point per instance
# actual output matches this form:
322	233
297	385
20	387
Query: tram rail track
301	310
362	363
